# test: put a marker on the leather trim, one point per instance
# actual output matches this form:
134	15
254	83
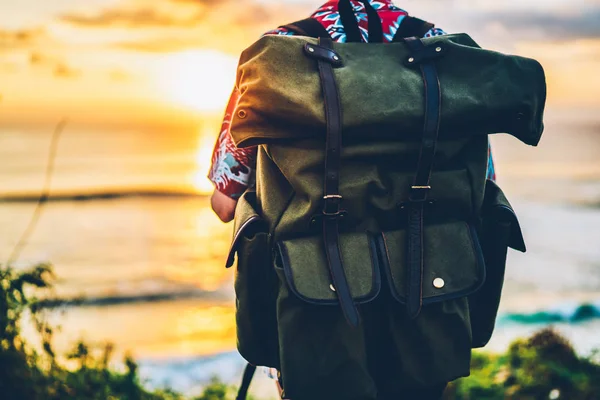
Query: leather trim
321	53
414	252
515	239
386	266
238	236
433	100
247	222
497	206
420	189
331	195
429	53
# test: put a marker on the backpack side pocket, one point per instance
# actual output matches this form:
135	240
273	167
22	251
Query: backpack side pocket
500	230
255	286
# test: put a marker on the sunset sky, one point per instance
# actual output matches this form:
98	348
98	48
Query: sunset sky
129	62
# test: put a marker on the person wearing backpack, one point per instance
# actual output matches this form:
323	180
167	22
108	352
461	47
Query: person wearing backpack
232	169
371	249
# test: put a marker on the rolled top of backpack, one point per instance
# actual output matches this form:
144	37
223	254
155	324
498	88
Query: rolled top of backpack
381	91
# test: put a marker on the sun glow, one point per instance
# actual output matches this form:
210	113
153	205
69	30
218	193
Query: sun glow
203	161
201	80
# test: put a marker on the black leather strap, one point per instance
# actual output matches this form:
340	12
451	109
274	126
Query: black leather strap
307	27
428	53
323	54
348	19
246	380
420	189
312	28
332	198
411	26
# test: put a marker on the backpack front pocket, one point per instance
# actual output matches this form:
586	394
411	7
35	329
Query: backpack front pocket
255	286
306	269
453	264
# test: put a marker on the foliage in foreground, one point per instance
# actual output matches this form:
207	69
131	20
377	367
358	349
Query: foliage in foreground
28	374
542	367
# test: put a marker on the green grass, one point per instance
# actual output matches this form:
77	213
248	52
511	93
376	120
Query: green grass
541	367
544	366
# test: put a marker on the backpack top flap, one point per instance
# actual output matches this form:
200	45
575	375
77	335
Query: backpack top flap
483	92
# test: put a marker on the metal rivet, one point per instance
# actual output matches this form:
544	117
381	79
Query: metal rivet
331	287
336	58
411	60
438	283
311	49
242	114
438	49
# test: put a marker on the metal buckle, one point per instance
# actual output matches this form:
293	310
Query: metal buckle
328	205
419	193
338	213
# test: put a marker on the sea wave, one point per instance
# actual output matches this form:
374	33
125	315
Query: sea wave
99	195
568	313
191	374
107	301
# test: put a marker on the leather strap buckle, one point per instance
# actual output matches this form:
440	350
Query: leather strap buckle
419	193
331	207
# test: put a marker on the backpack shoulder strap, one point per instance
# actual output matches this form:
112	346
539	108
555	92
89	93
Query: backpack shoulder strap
412	27
312	28
307	27
246	380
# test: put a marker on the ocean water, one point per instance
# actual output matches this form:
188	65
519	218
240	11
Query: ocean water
130	234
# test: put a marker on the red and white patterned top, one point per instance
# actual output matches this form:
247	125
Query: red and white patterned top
232	169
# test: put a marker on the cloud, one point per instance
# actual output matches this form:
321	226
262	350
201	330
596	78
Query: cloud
233	42
9	68
118	75
62	70
158	45
201	2
505	22
222	15
229	26
22	38
57	66
36	58
131	18
546	25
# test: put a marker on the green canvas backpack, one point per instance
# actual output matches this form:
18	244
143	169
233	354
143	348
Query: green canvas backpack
372	238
